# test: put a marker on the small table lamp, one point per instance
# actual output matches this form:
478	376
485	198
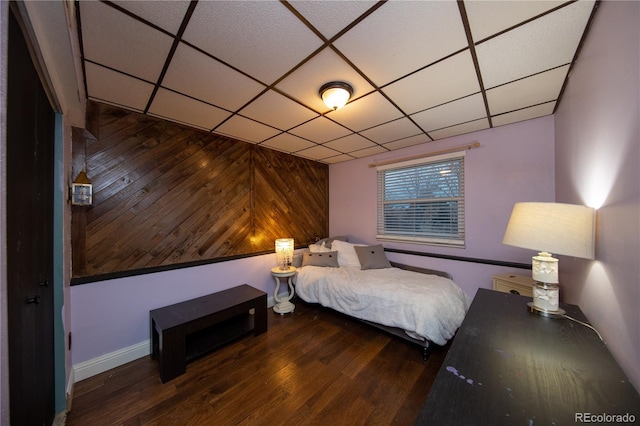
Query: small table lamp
284	252
566	229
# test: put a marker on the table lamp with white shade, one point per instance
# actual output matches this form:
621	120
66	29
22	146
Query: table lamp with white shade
558	228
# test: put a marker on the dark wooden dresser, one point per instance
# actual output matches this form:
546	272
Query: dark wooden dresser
509	366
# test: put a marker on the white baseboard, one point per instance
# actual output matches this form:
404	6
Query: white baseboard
106	362
69	391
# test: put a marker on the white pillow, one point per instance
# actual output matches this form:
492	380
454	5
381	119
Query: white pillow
346	253
319	248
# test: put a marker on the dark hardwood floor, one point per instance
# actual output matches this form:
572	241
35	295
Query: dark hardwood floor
311	367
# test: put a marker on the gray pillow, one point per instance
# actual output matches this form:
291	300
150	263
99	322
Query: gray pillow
327	259
327	241
372	257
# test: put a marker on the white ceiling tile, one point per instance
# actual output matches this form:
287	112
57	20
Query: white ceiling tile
472	126
337	159
394	130
540	45
107	85
453	113
350	143
487	18
185	110
369	151
523	114
305	82
261	38
406	142
318	152
278	111
168	17
118	41
246	130
204	78
287	143
398	38
320	130
543	87
450	79
365	112
331	17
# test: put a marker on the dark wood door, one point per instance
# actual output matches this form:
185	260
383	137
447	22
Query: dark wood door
30	147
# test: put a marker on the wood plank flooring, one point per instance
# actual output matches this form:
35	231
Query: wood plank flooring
312	367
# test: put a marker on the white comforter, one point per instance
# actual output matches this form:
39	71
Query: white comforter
428	306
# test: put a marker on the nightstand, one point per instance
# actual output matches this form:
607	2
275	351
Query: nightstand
283	304
515	284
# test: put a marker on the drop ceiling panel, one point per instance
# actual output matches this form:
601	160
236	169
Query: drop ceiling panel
278	111
350	143
406	142
305	82
453	113
337	159
185	110
394	130
472	126
318	152
365	112
115	40
449	79
398	37
545	43
247	130
331	17
107	86
524	114
368	151
540	88
202	77
261	38
490	17
320	130
288	143
168	17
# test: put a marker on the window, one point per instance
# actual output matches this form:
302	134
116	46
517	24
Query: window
422	200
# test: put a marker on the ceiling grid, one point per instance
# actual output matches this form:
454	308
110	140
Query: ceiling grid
251	70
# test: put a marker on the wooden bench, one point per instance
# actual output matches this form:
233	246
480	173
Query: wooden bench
187	330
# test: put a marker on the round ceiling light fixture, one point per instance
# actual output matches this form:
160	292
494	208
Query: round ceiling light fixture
336	94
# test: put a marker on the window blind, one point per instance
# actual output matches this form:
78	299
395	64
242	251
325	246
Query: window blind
423	200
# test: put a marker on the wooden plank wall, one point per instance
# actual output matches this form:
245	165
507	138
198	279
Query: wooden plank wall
166	194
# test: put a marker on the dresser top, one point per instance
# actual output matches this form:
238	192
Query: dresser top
509	366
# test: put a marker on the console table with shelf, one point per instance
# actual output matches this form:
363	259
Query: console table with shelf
187	330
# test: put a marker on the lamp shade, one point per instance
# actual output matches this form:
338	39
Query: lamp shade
558	228
284	252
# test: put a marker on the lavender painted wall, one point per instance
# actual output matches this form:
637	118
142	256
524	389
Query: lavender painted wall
515	163
112	315
598	164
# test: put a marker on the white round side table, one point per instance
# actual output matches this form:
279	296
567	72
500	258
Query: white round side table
283	304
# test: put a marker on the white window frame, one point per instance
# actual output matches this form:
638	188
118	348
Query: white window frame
390	227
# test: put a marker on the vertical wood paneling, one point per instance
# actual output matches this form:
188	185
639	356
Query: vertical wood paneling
165	194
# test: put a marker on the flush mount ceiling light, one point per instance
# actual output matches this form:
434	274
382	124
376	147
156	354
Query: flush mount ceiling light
335	94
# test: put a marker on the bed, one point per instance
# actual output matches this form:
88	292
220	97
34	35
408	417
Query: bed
420	305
